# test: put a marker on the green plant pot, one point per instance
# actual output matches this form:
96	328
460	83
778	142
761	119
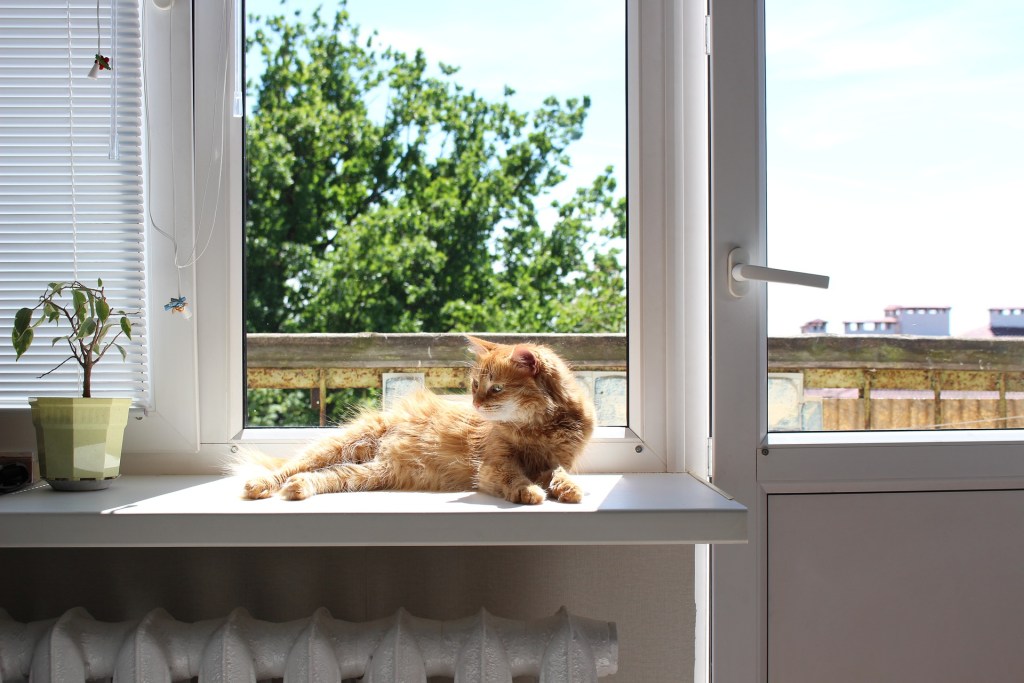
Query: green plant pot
79	440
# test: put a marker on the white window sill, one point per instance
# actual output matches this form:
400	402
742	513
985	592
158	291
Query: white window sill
205	510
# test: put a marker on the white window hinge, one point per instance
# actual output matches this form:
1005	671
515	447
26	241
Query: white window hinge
707	35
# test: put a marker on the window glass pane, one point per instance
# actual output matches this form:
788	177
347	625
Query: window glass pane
430	168
894	148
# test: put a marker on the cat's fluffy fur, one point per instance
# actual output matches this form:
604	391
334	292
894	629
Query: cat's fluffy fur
528	423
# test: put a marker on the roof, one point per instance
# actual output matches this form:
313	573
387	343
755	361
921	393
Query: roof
889	309
870	320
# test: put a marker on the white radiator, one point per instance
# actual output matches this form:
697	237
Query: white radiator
400	649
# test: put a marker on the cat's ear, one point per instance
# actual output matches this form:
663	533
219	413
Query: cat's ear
480	346
525	359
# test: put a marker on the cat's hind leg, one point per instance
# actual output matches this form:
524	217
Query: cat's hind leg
336	479
269	481
319	455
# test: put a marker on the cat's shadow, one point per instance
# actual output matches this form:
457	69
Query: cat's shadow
484	500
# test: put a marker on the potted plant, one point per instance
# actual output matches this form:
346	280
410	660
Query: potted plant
79	439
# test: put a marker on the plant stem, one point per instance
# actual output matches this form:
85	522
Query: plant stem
87	381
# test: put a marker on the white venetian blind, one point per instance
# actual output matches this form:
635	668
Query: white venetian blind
71	191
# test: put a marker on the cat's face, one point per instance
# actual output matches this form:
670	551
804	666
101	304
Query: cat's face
504	384
497	396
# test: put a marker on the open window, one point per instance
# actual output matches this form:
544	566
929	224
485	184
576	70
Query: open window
407	182
662	224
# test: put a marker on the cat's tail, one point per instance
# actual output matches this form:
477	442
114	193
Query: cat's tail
250	463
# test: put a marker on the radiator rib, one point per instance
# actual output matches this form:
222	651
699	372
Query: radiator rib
562	648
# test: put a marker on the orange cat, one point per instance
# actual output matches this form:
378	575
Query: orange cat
528	424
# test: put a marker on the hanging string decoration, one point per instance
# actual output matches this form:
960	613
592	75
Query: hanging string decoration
178	305
100	63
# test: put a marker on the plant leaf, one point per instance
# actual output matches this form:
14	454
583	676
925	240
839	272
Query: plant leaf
57	339
124	354
79	299
102	310
87	329
103	332
126	327
22	320
51	311
21	341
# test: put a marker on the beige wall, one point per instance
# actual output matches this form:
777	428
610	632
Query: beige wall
646	590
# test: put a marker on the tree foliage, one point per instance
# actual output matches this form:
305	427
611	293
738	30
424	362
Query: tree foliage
382	195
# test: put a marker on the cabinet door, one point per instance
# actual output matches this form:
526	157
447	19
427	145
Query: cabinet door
896	587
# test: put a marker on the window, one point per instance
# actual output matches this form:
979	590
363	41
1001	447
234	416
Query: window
405	177
205	358
197	379
883	113
661	220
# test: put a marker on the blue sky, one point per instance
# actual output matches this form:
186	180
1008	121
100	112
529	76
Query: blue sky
895	150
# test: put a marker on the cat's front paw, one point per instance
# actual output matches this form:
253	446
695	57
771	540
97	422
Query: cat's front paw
566	491
259	487
298	487
527	495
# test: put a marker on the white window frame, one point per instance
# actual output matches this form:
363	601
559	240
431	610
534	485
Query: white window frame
666	228
749	462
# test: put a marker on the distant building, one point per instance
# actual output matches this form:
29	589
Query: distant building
1006	322
814	327
929	321
882	326
1002	322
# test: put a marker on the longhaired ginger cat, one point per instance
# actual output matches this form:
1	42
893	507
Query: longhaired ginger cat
528	423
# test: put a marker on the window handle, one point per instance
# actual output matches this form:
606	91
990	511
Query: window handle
740	274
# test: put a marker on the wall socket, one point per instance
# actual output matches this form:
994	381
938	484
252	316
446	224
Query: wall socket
13	466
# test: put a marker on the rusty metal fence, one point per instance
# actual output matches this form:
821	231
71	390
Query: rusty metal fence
325	362
875	382
816	382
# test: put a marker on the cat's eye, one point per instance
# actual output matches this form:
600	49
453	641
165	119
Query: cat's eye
497	389
476	385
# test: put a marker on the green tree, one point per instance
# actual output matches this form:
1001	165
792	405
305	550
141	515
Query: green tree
423	217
